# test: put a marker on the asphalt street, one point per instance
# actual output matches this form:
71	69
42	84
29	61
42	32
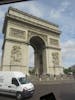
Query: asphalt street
62	91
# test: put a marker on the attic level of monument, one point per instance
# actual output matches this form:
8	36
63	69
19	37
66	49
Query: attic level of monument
30	19
21	30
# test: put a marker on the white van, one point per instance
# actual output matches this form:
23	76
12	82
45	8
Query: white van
16	84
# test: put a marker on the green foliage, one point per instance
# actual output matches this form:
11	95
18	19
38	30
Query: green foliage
73	71
67	70
32	72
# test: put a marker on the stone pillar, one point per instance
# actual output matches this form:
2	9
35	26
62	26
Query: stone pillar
44	61
16	58
36	62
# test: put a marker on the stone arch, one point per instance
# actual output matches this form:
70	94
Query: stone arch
37	41
24	29
39	45
35	34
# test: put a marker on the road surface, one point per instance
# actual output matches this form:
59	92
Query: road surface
62	91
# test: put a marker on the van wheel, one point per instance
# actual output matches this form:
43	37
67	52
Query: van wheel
18	96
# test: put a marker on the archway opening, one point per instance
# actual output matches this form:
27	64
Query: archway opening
38	44
31	57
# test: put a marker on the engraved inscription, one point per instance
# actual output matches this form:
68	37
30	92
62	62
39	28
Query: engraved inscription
17	33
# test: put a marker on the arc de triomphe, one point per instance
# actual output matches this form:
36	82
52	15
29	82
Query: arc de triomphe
21	30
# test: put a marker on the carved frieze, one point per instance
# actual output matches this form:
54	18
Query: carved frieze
31	27
54	42
17	33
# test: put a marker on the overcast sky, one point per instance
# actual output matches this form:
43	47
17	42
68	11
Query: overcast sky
61	12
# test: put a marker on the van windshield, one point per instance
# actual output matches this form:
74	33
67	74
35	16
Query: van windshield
23	80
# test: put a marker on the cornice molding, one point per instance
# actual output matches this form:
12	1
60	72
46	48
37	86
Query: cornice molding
17	41
32	20
33	28
33	24
31	16
55	48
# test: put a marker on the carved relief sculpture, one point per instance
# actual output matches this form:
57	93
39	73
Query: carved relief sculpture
55	58
17	33
54	42
16	55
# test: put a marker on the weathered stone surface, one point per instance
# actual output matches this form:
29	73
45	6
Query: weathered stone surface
21	30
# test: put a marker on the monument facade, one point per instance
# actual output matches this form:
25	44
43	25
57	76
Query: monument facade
21	30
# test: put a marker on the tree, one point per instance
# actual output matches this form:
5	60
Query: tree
67	70
32	72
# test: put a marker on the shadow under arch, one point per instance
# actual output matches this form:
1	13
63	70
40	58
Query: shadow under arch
39	54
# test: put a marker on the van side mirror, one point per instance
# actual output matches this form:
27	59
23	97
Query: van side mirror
15	82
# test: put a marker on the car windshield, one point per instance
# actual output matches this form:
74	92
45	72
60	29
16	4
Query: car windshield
23	80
